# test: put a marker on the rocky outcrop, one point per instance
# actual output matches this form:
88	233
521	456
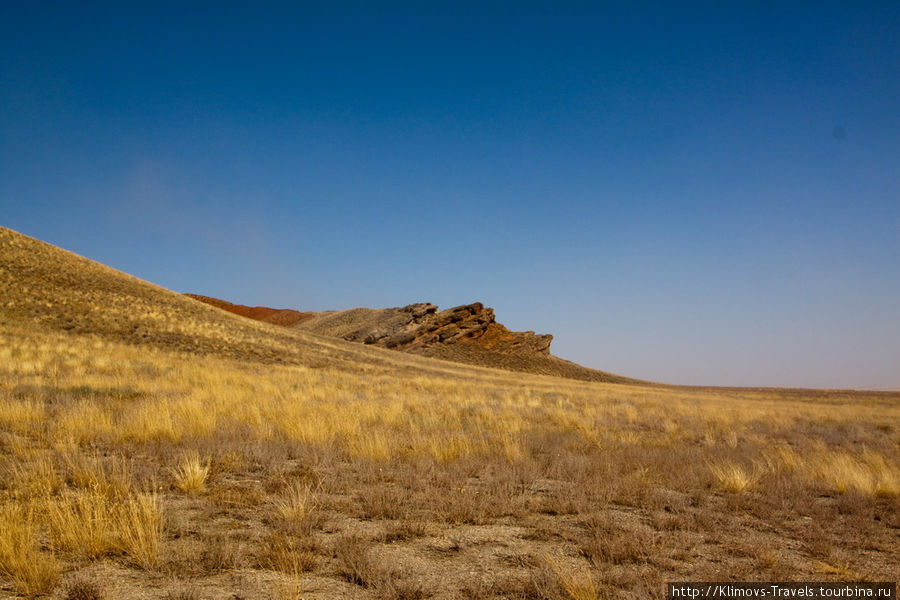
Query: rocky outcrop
466	334
421	325
415	328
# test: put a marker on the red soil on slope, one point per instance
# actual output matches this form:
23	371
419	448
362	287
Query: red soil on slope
277	316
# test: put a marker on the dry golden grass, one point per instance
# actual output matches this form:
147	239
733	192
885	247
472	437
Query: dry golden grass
90	524
109	476
576	581
31	571
138	527
305	464
867	472
733	477
296	503
81	523
422	448
191	474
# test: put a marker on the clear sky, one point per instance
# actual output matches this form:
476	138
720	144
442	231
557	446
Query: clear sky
691	192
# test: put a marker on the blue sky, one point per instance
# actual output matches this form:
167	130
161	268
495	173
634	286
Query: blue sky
703	192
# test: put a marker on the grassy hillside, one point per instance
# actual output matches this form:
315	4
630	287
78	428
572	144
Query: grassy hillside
155	447
45	287
49	289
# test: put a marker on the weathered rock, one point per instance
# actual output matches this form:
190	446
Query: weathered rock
421	325
419	328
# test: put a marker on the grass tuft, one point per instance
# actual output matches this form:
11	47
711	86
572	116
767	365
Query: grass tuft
191	474
576	582
138	528
735	478
80	523
31	571
296	503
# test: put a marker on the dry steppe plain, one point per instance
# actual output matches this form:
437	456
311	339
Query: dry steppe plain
155	447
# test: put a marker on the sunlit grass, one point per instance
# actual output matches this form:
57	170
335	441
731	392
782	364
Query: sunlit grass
31	571
736	478
296	502
138	529
191	474
576	582
869	473
401	447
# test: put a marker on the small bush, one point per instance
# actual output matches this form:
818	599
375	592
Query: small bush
355	563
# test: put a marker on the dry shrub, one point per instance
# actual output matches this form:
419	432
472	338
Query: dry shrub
288	554
187	593
399	531
565	500
396	586
110	477
782	458
83	422
83	589
295	503
768	557
382	501
21	416
609	541
221	553
291	589
354	561
230	496
191	474
357	565
476	505
34	478
81	523
183	557
817	542
90	524
31	571
230	462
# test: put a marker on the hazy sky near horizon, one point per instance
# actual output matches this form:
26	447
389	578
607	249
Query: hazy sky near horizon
694	192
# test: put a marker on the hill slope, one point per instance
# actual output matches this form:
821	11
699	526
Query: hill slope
47	287
149	442
466	334
275	316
